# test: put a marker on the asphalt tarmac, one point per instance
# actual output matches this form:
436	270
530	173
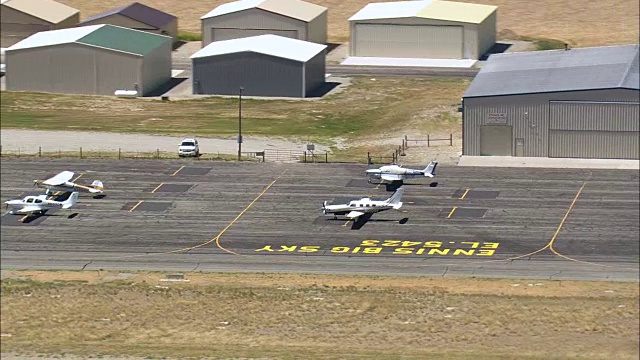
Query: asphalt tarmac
188	215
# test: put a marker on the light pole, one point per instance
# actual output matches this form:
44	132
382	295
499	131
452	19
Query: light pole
240	124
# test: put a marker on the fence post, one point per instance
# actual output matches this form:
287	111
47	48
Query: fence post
326	157
80	152
406	141
450	139
368	159
263	152
39	151
428	141
305	157
157	153
119	154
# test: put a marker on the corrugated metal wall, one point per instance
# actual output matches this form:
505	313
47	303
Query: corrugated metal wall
156	68
607	130
317	29
171	29
410	41
486	35
528	114
221	34
314	73
16	26
252	19
71	69
258	74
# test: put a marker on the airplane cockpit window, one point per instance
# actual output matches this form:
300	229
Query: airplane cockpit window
38	201
30	200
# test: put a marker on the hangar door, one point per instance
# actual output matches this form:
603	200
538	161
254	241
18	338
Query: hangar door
597	130
219	34
496	140
409	41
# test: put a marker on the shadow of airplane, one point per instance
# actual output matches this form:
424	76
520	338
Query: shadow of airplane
99	196
393	186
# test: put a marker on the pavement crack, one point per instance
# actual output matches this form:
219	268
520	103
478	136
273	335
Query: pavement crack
446	269
196	268
554	274
85	265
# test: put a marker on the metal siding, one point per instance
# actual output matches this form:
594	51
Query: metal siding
594	144
486	35
470	41
220	34
156	68
66	68
594	116
251	19
317	29
16	26
69	22
528	114
119	20
314	73
408	41
116	71
259	74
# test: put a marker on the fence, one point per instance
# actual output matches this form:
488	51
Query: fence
428	140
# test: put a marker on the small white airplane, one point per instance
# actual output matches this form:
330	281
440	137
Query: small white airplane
40	204
395	172
62	182
364	207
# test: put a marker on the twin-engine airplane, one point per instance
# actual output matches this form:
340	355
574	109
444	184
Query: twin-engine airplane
364	207
40	204
394	172
62	182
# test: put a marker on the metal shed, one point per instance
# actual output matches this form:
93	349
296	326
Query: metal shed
423	29
294	19
139	17
20	19
264	65
97	59
575	103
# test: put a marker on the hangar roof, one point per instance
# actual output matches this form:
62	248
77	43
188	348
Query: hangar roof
295	9
428	9
272	45
47	10
139	12
594	68
104	36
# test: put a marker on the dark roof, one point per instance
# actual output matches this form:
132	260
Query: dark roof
138	12
607	67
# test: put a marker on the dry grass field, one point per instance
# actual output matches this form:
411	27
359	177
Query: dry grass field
577	22
316	316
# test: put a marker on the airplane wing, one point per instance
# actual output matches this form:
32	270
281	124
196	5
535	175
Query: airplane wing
354	214
59	179
28	209
391	177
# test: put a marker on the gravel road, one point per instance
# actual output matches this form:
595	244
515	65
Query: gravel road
28	141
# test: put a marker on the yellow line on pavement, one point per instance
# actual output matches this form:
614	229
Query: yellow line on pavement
157	187
451	212
465	194
136	205
177	171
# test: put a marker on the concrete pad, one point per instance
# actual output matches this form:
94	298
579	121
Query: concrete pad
482	194
174	188
380	61
535	162
153	206
189	170
358	183
461	213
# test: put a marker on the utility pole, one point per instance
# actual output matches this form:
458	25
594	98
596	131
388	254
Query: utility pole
240	124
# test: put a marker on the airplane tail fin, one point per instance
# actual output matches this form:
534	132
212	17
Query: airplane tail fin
430	170
395	199
71	201
97	185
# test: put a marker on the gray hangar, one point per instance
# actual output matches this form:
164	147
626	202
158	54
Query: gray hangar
92	60
20	19
574	103
423	29
264	65
295	19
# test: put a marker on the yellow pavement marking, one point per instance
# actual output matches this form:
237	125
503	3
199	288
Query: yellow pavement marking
23	218
465	194
177	171
345	224
410	202
136	205
451	212
157	187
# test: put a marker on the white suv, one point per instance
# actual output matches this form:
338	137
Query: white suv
189	147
